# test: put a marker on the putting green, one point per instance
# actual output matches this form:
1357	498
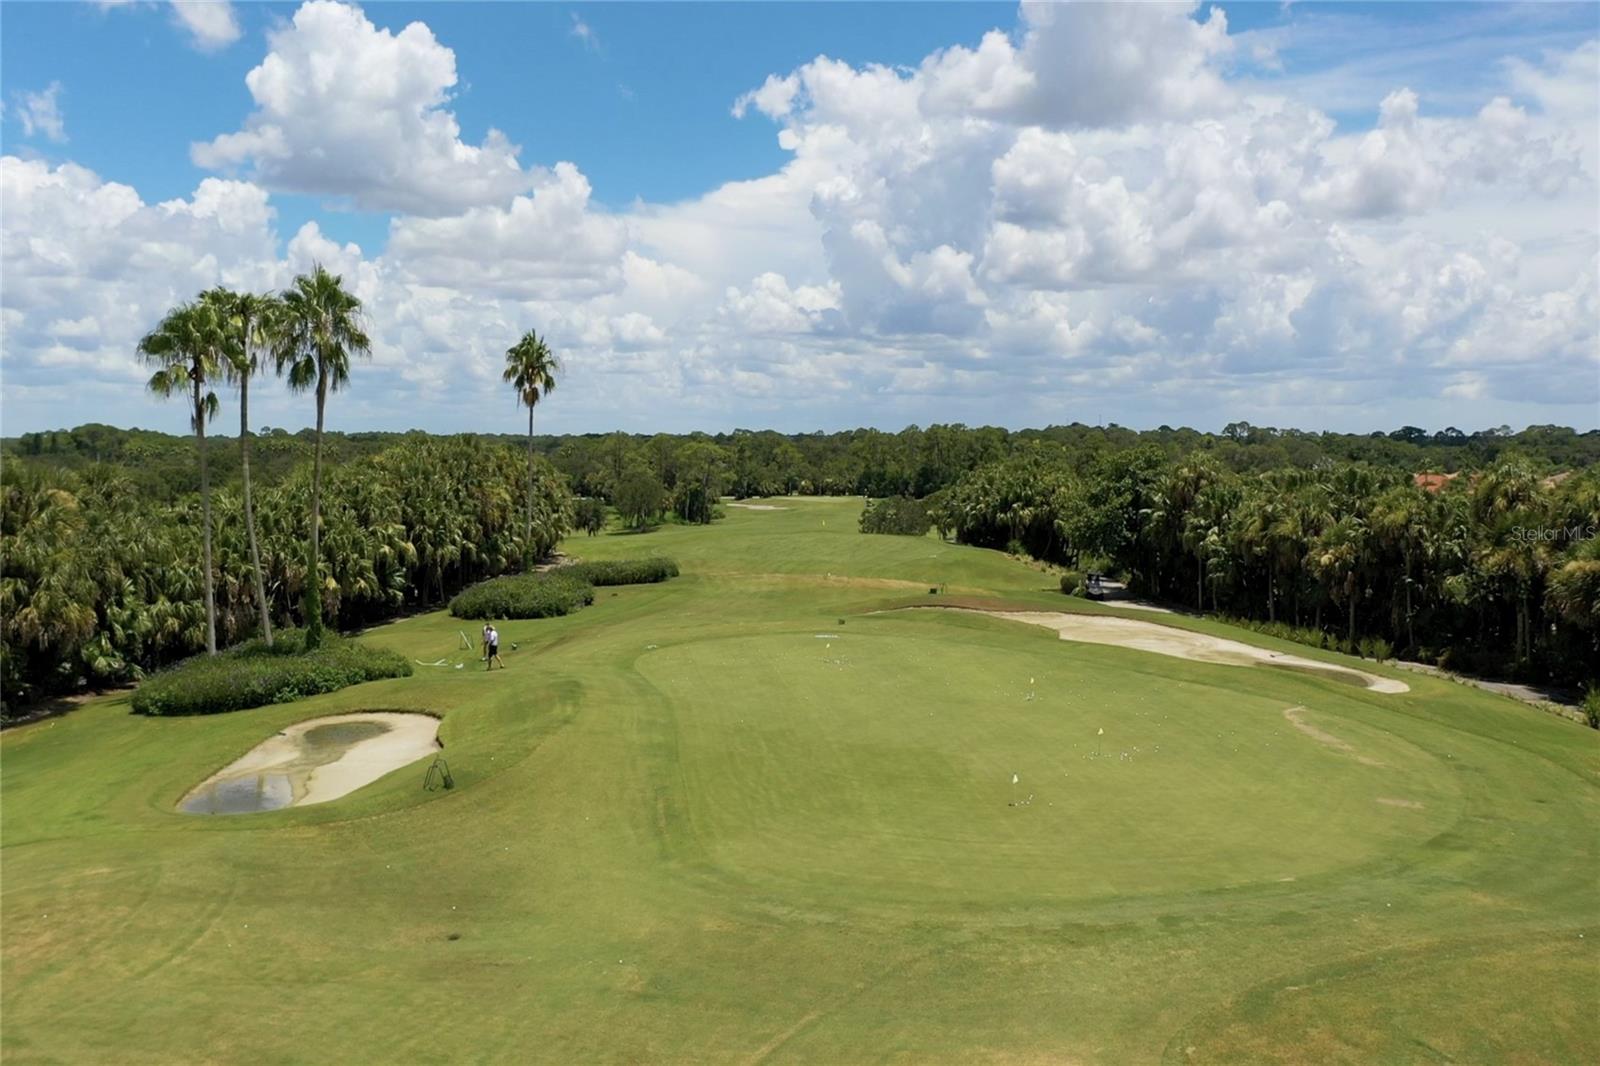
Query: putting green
758	814
884	771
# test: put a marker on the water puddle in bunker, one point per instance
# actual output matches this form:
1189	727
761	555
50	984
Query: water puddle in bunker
315	761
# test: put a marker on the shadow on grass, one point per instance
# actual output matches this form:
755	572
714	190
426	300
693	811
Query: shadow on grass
56	706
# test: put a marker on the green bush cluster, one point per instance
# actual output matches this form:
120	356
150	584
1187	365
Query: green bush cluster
1591	706
896	514
252	675
545	595
646	571
1375	648
556	592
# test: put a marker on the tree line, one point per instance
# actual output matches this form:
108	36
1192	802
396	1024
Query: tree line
916	461
103	582
1496	571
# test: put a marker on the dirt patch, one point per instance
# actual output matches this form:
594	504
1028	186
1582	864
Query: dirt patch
831	580
315	761
1390	801
1184	644
1295	716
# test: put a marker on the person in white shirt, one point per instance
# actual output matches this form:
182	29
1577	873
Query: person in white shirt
491	648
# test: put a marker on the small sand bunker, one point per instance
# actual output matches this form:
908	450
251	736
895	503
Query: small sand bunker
314	762
757	507
1296	716
1184	644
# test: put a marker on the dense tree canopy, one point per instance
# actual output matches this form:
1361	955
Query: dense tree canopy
102	582
1498	570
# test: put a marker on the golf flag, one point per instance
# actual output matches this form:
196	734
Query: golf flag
1099	732
1013	779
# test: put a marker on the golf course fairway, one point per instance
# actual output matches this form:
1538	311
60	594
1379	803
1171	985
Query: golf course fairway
759	813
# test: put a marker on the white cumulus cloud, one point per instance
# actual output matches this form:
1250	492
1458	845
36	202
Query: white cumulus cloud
344	108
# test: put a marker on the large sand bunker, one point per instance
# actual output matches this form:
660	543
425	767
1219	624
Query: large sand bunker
1183	644
315	761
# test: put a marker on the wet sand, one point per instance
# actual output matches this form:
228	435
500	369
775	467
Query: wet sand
315	761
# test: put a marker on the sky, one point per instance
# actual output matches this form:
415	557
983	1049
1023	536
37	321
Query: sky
821	216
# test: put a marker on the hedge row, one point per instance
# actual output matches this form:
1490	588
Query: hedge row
252	675
555	592
624	571
546	595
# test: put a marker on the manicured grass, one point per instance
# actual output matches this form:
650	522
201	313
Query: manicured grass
742	815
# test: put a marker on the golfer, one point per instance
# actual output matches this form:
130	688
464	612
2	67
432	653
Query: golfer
491	648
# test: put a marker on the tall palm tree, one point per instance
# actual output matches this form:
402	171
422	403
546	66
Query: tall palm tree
251	318
1400	522
318	332
187	350
531	369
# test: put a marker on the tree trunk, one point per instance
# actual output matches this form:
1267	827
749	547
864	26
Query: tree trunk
205	512
1351	594
1525	626
527	543
249	506
1199	584
1272	596
1411	632
313	596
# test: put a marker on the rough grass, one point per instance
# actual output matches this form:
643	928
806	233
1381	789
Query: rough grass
738	817
252	674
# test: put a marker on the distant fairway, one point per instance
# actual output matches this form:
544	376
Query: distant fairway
756	814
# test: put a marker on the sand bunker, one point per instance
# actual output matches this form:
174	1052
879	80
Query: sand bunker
757	507
315	761
1184	644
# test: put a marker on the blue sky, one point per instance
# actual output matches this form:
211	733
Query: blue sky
885	292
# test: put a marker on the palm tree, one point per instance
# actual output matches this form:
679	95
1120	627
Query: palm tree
531	369
187	350
1400	521
317	334
251	318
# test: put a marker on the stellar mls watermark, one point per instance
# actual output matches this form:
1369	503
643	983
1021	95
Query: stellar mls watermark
1554	534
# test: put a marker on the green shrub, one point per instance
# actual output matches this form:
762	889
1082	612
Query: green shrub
590	515
624	571
1072	583
1591	706
544	595
252	675
896	514
553	593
